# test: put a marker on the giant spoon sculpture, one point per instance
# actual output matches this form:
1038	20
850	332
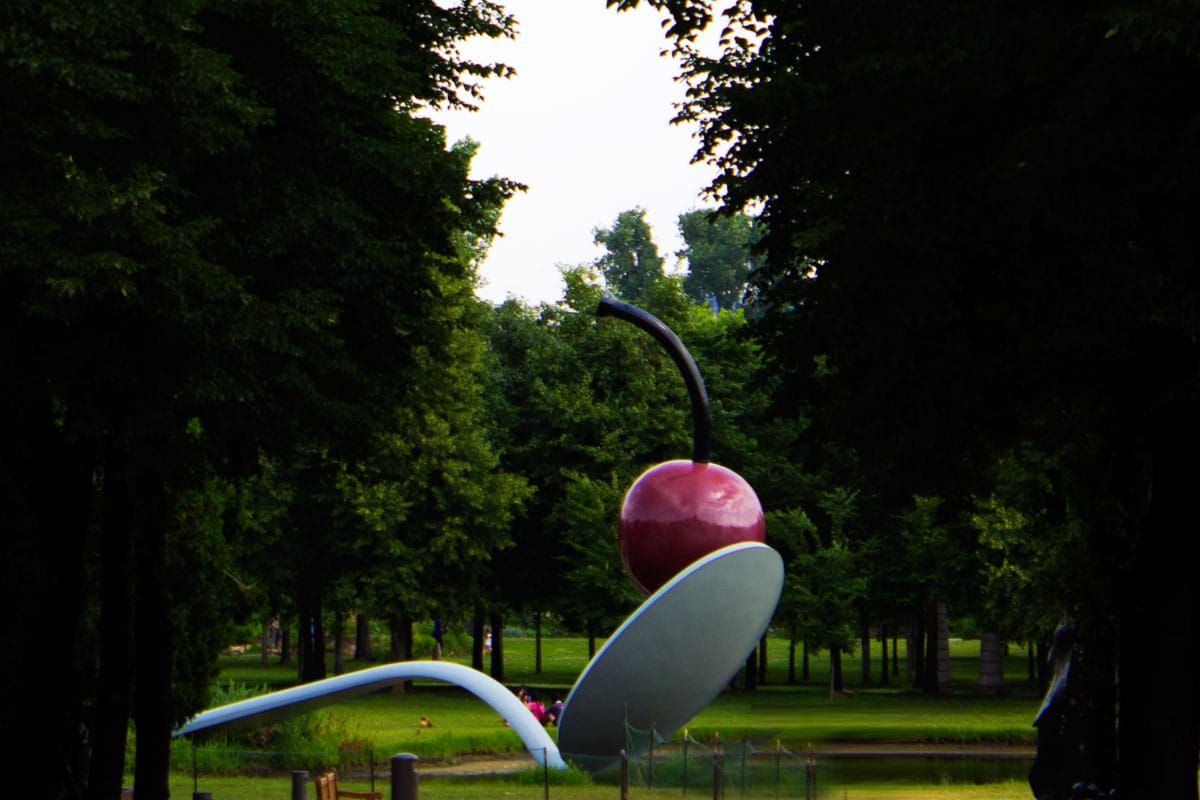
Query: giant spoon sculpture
691	536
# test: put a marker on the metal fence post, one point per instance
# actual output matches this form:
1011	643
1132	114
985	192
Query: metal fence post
404	776
299	785
810	776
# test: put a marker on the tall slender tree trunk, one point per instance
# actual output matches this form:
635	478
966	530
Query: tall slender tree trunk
835	670
804	673
750	673
477	634
312	630
762	660
362	637
339	630
791	676
916	655
264	650
285	643
930	684
864	627
400	627
883	655
50	486
537	643
153	644
115	692
497	665
591	644
895	655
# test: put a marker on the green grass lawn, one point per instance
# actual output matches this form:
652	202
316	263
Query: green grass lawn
797	714
776	714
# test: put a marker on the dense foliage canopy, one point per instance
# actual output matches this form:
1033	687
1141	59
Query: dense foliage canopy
978	233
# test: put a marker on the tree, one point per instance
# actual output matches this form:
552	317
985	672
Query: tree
720	253
222	230
632	265
1011	263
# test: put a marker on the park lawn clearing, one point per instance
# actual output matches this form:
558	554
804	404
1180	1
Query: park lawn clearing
796	714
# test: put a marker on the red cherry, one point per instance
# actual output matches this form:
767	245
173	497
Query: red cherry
679	511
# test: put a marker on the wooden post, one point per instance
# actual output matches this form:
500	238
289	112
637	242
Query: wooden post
716	775
624	775
404	776
299	785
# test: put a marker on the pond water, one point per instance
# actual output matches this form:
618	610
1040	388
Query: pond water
926	770
768	775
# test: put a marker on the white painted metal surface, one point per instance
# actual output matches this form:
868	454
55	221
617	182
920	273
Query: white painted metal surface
673	655
271	707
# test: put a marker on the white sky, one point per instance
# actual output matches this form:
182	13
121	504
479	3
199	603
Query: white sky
585	124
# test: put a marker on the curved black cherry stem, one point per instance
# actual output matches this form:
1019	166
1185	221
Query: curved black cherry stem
701	413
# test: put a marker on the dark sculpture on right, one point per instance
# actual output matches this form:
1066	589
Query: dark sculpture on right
1065	728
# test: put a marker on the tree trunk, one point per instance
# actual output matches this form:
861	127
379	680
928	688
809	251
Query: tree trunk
537	643
153	645
835	670
1159	736
400	627
991	665
750	679
362	637
47	491
591	645
312	631
883	655
339	629
114	696
762	660
895	656
497	665
864	627
930	672
285	643
804	675
944	675
791	675
477	634
916	656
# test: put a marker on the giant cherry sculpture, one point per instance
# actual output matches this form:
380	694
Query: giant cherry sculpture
679	511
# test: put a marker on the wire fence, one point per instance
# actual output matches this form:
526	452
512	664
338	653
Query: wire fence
651	767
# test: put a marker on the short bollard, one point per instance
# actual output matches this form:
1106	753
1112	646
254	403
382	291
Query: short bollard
404	776
299	784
